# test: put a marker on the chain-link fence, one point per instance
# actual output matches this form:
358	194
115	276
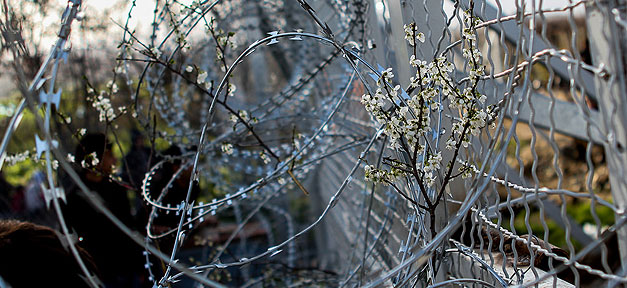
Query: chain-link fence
358	143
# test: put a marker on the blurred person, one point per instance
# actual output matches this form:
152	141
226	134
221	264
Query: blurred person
118	257
35	205
6	190
34	195
18	203
33	256
134	167
5	186
176	193
137	161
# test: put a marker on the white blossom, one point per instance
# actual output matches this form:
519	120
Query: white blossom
114	87
104	108
430	179
406	122
219	55
232	89
411	34
155	51
450	143
202	76
386	76
466	172
413	61
227	148
432	164
244	115
264	157
94	158
381	176
482	99
19	157
90	160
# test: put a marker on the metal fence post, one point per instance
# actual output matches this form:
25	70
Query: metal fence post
607	41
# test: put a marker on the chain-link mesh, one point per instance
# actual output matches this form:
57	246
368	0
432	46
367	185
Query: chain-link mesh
528	125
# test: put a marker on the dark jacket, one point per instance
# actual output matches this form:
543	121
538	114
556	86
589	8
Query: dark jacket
116	255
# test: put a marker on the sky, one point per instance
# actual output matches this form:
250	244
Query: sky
143	12
143	15
509	6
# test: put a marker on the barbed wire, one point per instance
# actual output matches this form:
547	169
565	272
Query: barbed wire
278	109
